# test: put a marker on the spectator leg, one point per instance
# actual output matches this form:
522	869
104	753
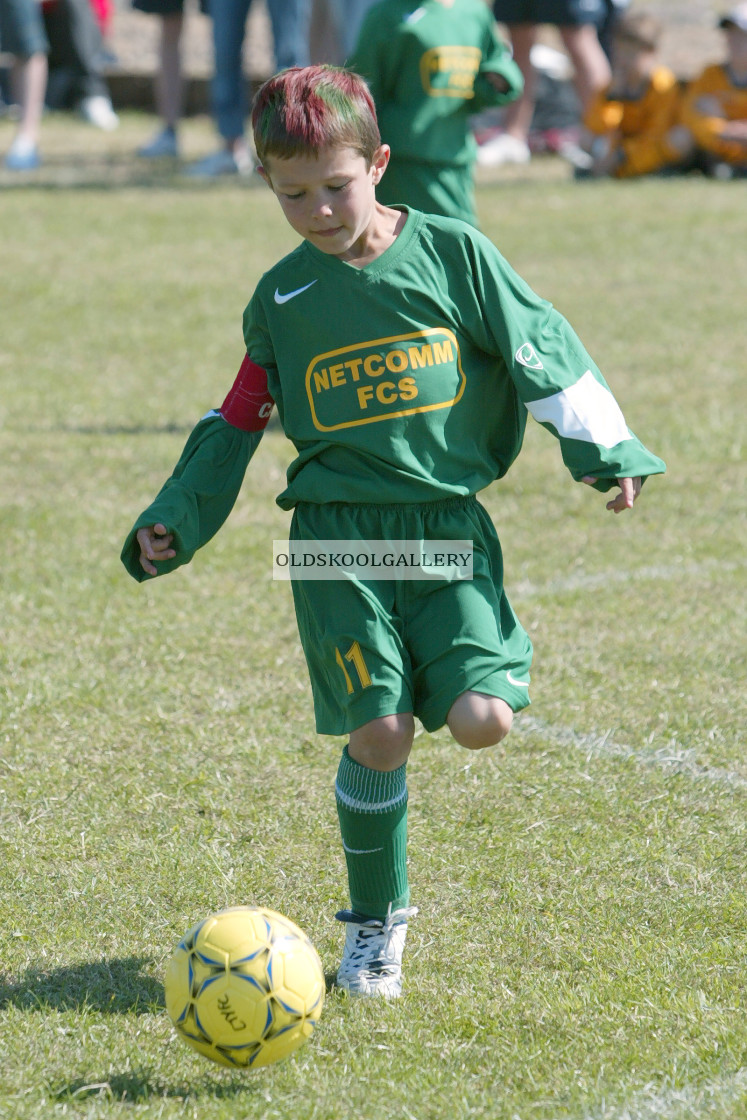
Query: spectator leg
290	31
169	89
229	83
519	113
29	79
590	63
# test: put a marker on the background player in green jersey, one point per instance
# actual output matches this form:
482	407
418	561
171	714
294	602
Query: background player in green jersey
403	354
430	65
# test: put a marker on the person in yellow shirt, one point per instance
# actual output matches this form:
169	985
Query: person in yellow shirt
715	107
633	125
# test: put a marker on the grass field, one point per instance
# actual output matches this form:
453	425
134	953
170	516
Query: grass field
580	948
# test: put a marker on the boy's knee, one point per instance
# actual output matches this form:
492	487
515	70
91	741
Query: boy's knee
383	743
477	721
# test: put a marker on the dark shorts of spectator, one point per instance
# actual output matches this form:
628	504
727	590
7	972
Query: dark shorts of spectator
561	13
22	28
166	7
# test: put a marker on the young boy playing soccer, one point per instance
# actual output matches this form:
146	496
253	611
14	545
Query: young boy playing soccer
402	353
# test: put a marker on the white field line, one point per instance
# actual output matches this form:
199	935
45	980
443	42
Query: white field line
711	1099
591	581
672	758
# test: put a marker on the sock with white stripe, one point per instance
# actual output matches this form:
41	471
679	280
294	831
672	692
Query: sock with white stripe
372	809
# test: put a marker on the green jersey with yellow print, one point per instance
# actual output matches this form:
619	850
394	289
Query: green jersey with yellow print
406	381
426	65
409	380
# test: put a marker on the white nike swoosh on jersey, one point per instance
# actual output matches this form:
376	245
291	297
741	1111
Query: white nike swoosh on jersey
290	295
528	356
512	680
360	851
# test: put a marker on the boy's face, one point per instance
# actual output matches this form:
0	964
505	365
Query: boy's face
329	200
631	58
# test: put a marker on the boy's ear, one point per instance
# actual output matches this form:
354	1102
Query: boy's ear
264	175
380	162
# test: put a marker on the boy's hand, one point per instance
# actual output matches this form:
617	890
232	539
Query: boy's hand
630	488
497	81
155	544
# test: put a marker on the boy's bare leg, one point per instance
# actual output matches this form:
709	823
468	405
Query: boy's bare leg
477	721
383	743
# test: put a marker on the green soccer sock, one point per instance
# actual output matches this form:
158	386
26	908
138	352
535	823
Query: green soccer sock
372	808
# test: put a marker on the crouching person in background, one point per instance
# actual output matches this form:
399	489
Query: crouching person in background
715	108
633	126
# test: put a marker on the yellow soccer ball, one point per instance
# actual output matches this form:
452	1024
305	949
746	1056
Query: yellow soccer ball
245	987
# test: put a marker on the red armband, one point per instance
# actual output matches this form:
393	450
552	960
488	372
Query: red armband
248	405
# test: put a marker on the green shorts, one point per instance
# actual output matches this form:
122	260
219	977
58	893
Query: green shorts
383	647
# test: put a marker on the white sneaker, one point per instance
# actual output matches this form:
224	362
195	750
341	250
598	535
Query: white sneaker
99	112
162	146
23	155
503	148
372	958
577	156
220	163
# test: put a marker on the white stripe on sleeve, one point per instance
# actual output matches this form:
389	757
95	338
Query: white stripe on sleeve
585	411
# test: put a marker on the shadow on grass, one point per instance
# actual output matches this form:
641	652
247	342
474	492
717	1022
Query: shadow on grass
116	987
329	981
136	1087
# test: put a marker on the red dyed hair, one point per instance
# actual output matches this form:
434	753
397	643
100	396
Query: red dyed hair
305	109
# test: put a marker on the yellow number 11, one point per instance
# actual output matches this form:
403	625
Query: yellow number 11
355	655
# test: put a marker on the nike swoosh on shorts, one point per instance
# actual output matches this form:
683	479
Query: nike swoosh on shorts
512	680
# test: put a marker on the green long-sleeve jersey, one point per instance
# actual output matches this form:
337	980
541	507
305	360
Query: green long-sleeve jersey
426	65
408	380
